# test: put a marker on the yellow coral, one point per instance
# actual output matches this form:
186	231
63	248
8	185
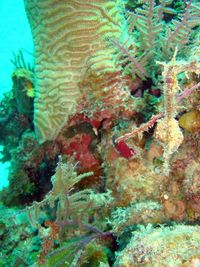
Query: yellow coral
190	121
29	89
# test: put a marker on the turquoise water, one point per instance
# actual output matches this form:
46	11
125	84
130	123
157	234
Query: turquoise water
4	168
14	35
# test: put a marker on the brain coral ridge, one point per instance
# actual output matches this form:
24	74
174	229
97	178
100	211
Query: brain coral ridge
70	39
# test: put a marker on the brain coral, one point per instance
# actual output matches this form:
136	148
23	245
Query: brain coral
71	41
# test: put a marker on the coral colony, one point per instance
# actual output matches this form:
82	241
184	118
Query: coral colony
103	136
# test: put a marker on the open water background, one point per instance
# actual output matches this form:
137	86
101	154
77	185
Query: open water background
15	35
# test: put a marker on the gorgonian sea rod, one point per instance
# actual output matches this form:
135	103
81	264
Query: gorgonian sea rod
71	43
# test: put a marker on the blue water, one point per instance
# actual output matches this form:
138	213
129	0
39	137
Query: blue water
14	35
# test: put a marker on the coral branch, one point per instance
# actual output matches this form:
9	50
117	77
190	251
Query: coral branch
187	92
144	127
129	57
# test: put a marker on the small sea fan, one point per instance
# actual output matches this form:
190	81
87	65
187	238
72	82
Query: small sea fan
179	31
